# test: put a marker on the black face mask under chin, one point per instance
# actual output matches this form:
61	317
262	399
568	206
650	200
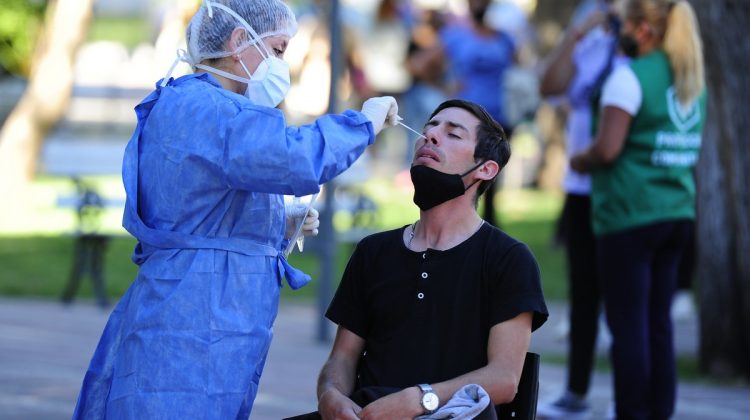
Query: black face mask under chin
432	187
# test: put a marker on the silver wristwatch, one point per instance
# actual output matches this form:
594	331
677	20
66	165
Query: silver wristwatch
429	400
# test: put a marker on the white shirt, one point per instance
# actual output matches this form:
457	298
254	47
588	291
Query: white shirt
622	90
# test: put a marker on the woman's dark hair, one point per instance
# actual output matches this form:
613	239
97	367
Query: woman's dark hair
492	143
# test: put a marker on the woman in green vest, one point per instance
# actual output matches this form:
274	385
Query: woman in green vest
648	139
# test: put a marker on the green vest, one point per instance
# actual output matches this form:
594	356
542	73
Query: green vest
651	180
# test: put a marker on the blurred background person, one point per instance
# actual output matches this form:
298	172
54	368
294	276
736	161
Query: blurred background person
576	69
477	56
425	64
383	43
643	195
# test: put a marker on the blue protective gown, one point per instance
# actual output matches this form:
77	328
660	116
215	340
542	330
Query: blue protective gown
204	173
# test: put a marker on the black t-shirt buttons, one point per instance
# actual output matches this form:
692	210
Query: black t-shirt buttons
424	275
420	295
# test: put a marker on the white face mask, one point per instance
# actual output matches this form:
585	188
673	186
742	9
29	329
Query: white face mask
270	83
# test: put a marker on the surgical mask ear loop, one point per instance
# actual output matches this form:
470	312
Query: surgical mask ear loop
181	56
254	35
250	75
265	57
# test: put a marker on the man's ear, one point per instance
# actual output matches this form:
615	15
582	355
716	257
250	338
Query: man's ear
488	170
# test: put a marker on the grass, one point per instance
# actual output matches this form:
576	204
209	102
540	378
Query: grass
687	367
36	258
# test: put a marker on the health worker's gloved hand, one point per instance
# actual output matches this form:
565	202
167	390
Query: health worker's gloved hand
382	111
295	212
311	224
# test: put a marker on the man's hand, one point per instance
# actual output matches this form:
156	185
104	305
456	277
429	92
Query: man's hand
333	405
399	405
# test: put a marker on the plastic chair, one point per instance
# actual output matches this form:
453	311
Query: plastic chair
523	406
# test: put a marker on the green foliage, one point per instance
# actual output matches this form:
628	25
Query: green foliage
129	31
20	23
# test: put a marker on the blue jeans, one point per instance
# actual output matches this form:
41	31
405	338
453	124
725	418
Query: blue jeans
638	270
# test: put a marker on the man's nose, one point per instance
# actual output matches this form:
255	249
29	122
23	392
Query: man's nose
430	136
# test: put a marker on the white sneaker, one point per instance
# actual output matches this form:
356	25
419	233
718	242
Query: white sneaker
562	329
569	407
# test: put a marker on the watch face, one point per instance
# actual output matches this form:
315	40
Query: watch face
430	401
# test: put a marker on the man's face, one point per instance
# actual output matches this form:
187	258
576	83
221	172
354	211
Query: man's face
450	138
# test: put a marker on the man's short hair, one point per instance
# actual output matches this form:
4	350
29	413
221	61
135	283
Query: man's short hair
492	143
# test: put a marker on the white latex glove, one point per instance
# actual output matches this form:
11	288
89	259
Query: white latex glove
311	223
294	213
382	111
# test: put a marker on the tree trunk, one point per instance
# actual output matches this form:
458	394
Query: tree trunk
723	201
45	99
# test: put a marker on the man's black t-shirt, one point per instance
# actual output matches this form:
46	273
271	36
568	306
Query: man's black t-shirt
425	316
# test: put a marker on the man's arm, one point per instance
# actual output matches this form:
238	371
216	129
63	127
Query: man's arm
506	352
336	380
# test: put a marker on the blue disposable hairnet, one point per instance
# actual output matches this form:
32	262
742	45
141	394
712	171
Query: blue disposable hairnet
210	28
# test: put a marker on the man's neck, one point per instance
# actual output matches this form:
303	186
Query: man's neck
445	226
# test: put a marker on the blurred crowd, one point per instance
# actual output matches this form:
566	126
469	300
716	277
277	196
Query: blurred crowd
421	52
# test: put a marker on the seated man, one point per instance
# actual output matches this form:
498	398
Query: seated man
446	301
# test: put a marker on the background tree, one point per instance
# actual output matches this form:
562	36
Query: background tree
19	24
723	191
45	99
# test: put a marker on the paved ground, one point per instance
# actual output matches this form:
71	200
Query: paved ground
45	348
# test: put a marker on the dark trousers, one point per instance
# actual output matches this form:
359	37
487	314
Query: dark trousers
686	271
88	258
638	268
583	290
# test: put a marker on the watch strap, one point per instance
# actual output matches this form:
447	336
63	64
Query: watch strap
425	388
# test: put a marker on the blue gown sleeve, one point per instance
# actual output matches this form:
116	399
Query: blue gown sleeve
262	154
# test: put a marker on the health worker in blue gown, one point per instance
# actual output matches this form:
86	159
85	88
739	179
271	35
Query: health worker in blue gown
205	173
